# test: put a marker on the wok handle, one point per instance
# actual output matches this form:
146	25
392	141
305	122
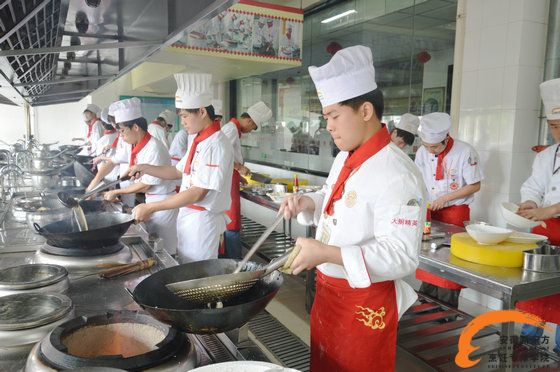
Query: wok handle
278	262
129	293
258	243
37	227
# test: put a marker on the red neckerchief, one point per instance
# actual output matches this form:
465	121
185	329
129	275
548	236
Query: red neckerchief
439	168
90	127
237	124
139	146
354	160
109	131
202	135
116	141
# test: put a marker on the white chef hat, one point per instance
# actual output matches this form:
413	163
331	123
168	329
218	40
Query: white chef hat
193	90
409	123
218	107
260	113
104	115
550	94
434	127
111	111
127	109
168	115
348	74
93	108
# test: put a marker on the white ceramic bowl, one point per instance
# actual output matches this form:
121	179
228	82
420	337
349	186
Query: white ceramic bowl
486	234
509	211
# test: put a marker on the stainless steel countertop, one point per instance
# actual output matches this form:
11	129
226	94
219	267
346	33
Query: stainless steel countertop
507	284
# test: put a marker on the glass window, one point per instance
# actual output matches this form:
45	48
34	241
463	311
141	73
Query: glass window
412	44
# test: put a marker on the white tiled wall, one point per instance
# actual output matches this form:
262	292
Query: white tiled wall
503	63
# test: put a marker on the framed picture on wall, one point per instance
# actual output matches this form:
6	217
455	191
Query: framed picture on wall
433	100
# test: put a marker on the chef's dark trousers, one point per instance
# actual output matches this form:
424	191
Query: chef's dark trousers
448	296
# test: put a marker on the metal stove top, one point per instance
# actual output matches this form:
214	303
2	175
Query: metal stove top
84	263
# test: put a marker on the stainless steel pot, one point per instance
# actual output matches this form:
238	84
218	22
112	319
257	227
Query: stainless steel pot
544	259
44	180
70	182
39	164
22	205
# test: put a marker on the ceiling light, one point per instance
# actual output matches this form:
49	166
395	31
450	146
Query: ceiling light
343	14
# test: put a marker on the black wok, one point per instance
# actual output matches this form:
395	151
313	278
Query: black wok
105	229
152	295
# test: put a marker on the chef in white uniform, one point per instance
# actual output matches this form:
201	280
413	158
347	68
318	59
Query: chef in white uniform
405	131
369	218
145	149
158	129
206	172
105	143
257	114
116	160
94	129
540	194
452	174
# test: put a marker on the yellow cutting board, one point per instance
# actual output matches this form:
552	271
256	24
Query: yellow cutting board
505	254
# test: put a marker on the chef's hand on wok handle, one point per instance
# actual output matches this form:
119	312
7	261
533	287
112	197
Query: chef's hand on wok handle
292	205
136	171
111	195
142	212
313	253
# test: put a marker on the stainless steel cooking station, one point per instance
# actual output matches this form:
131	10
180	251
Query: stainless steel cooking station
509	285
92	295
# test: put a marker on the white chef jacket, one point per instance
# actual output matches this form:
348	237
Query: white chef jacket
121	157
461	167
377	223
230	130
158	132
199	231
107	140
543	187
154	153
96	133
179	146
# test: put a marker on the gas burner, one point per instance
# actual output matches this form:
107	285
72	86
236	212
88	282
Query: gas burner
127	340
27	317
85	263
82	252
32	278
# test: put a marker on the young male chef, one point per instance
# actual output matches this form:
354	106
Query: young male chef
144	149
105	143
206	172
405	130
256	115
541	202
452	175
158	127
94	130
369	219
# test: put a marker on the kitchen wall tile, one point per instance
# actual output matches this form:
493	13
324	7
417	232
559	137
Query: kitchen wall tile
495	12
487	130
493	46
474	10
489	88
513	43
471	50
533	41
535	11
516	10
526	130
509	87
467	120
507	126
520	170
469	89
528	96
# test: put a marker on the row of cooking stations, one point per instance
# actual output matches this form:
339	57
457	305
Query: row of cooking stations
369	216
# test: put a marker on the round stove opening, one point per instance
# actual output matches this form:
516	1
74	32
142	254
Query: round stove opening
126	339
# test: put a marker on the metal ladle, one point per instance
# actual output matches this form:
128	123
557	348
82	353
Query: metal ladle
71	202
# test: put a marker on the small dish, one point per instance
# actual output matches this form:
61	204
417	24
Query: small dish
509	211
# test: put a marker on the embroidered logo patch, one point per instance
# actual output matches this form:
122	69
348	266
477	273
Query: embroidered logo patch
371	318
454	186
351	198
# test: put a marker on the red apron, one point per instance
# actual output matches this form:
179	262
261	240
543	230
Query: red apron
234	212
545	307
353	329
454	215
